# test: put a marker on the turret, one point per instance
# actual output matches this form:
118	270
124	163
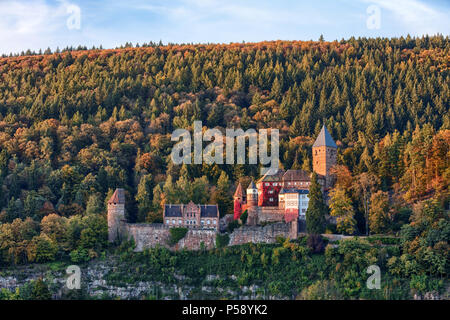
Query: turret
238	201
116	214
252	195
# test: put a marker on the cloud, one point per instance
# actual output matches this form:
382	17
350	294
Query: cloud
31	24
416	16
38	24
234	11
27	17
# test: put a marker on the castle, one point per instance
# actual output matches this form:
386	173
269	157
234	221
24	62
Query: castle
280	196
197	216
283	195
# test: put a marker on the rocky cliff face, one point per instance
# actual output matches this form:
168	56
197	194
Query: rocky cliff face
95	284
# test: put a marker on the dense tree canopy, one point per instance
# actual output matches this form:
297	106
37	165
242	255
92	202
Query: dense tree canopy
75	125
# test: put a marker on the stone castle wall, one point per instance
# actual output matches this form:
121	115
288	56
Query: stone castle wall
269	214
194	238
259	234
152	235
147	235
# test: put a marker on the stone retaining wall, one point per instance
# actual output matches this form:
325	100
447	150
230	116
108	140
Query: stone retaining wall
259	234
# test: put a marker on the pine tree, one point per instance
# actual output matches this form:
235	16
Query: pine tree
315	214
296	129
144	196
221	195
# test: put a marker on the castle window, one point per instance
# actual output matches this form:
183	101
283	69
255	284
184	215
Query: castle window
167	221
208	222
214	221
179	221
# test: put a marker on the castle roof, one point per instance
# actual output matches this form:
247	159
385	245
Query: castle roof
272	175
239	192
206	210
172	210
300	191
296	175
118	197
209	211
251	185
324	139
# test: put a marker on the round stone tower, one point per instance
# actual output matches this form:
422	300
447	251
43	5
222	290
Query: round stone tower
252	195
116	215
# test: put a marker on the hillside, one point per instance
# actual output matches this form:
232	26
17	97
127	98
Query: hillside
78	124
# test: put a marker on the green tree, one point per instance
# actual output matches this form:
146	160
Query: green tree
94	205
40	290
341	207
379	212
221	195
315	214
42	249
144	196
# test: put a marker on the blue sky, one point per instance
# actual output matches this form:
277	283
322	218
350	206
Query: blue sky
34	24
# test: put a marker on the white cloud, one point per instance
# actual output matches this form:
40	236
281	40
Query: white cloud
416	16
38	24
234	12
31	24
30	17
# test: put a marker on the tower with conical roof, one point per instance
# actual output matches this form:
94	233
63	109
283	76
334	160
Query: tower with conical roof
324	155
116	214
238	202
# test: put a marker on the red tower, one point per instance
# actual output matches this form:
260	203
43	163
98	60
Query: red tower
238	201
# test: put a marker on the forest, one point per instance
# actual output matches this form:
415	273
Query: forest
76	124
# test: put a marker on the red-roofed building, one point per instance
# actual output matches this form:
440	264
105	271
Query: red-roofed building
287	191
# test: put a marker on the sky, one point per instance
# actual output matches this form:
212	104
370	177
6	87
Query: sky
38	24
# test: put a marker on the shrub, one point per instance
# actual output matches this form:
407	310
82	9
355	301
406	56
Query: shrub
244	217
232	225
315	243
222	240
176	234
330	228
80	255
384	240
